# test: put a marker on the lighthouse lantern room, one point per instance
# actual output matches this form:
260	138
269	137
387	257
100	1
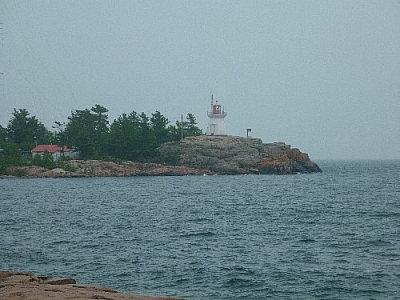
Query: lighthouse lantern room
216	123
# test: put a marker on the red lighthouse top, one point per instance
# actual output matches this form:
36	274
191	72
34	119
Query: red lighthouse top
216	109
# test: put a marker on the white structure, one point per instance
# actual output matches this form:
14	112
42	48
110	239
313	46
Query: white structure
55	151
216	123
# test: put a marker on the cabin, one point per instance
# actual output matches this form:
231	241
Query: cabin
56	151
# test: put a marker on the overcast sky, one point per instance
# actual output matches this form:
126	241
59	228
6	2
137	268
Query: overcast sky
322	76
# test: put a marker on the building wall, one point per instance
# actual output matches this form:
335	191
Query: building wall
216	126
58	154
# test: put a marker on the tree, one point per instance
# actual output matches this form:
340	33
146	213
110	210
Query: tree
124	137
101	128
3	135
59	134
87	130
44	160
9	156
27	131
147	144
188	127
192	129
130	137
159	126
79	132
101	118
174	132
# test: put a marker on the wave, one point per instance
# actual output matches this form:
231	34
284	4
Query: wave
198	234
237	282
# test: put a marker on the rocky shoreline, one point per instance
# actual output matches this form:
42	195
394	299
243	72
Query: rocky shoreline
200	155
238	155
22	285
99	168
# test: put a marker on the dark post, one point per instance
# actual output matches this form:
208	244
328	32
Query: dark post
248	130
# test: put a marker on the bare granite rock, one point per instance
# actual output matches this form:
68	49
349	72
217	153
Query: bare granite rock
238	155
21	285
99	168
128	168
38	172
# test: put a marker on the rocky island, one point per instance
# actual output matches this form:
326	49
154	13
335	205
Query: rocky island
197	155
22	285
238	155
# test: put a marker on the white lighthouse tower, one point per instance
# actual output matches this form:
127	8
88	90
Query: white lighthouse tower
216	124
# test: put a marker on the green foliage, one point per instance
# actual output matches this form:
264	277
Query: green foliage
9	156
147	143
171	158
3	135
189	127
60	136
88	131
174	132
18	173
124	137
159	126
134	137
192	129
65	165
44	160
27	131
80	132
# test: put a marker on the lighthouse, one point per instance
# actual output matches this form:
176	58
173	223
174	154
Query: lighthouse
216	123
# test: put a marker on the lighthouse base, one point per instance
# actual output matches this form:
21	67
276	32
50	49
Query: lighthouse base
216	127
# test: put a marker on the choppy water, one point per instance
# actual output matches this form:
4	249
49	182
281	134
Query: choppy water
334	235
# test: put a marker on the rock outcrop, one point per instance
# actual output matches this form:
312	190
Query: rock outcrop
238	155
36	171
128	168
200	155
21	285
99	168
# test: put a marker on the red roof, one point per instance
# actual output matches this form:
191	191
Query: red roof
50	148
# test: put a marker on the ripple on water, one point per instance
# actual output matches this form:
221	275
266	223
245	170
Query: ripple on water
332	235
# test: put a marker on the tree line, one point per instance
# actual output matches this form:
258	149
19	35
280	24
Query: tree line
132	136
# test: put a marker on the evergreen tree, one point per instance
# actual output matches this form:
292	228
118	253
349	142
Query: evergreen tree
60	136
80	132
101	129
174	132
147	144
9	156
26	131
87	130
192	129
130	137
159	126
124	137
3	135
186	128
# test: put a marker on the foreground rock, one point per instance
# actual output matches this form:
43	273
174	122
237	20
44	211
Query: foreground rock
238	155
17	285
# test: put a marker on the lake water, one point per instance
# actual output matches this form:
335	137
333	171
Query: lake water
332	235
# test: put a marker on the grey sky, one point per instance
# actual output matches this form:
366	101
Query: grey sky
323	76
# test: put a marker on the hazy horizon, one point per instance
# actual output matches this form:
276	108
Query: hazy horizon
320	76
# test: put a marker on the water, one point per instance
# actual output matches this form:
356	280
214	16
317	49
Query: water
334	235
